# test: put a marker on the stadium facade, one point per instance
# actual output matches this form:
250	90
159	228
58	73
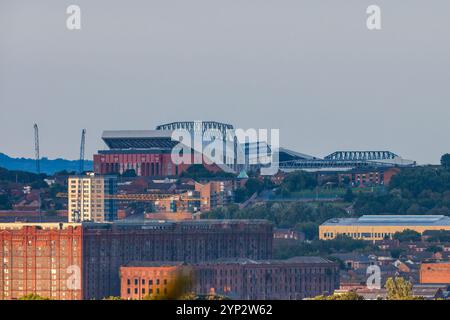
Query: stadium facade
148	152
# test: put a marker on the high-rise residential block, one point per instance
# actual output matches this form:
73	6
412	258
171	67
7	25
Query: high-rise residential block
89	198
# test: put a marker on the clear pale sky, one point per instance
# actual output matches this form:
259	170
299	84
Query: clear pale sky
310	68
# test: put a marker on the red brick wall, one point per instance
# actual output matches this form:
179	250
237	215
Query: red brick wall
248	281
173	241
146	165
138	282
37	261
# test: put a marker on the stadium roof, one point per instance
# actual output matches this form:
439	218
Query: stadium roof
295	154
391	220
133	134
138	139
195	125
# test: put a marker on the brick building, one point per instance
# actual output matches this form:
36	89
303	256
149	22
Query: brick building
368	176
216	193
36	255
40	259
295	278
435	273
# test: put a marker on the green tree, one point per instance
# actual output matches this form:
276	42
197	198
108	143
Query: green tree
130	173
341	244
310	229
33	296
341	296
399	289
445	160
438	236
5	203
407	236
298	181
254	185
418	190
240	195
198	171
348	197
396	253
434	249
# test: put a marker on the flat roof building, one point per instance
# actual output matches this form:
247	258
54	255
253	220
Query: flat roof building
88	198
379	227
291	279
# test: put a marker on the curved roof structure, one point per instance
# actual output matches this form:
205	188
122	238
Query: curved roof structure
195	126
361	155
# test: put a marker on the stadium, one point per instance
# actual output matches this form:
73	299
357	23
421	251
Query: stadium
148	153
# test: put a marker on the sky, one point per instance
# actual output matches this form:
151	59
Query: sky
309	68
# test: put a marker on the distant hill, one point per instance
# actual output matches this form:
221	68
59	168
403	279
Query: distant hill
48	166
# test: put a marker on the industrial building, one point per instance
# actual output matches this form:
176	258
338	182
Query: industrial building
242	279
82	260
41	258
379	227
88	198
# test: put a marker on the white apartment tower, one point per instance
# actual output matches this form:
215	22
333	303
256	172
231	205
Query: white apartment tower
88	198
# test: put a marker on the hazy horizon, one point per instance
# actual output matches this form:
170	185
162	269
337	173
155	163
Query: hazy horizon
308	68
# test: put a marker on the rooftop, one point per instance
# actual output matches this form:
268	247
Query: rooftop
138	139
240	261
391	220
144	224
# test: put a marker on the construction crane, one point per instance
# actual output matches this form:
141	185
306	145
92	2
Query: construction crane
178	199
83	142
36	148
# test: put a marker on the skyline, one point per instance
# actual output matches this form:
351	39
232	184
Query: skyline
312	70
